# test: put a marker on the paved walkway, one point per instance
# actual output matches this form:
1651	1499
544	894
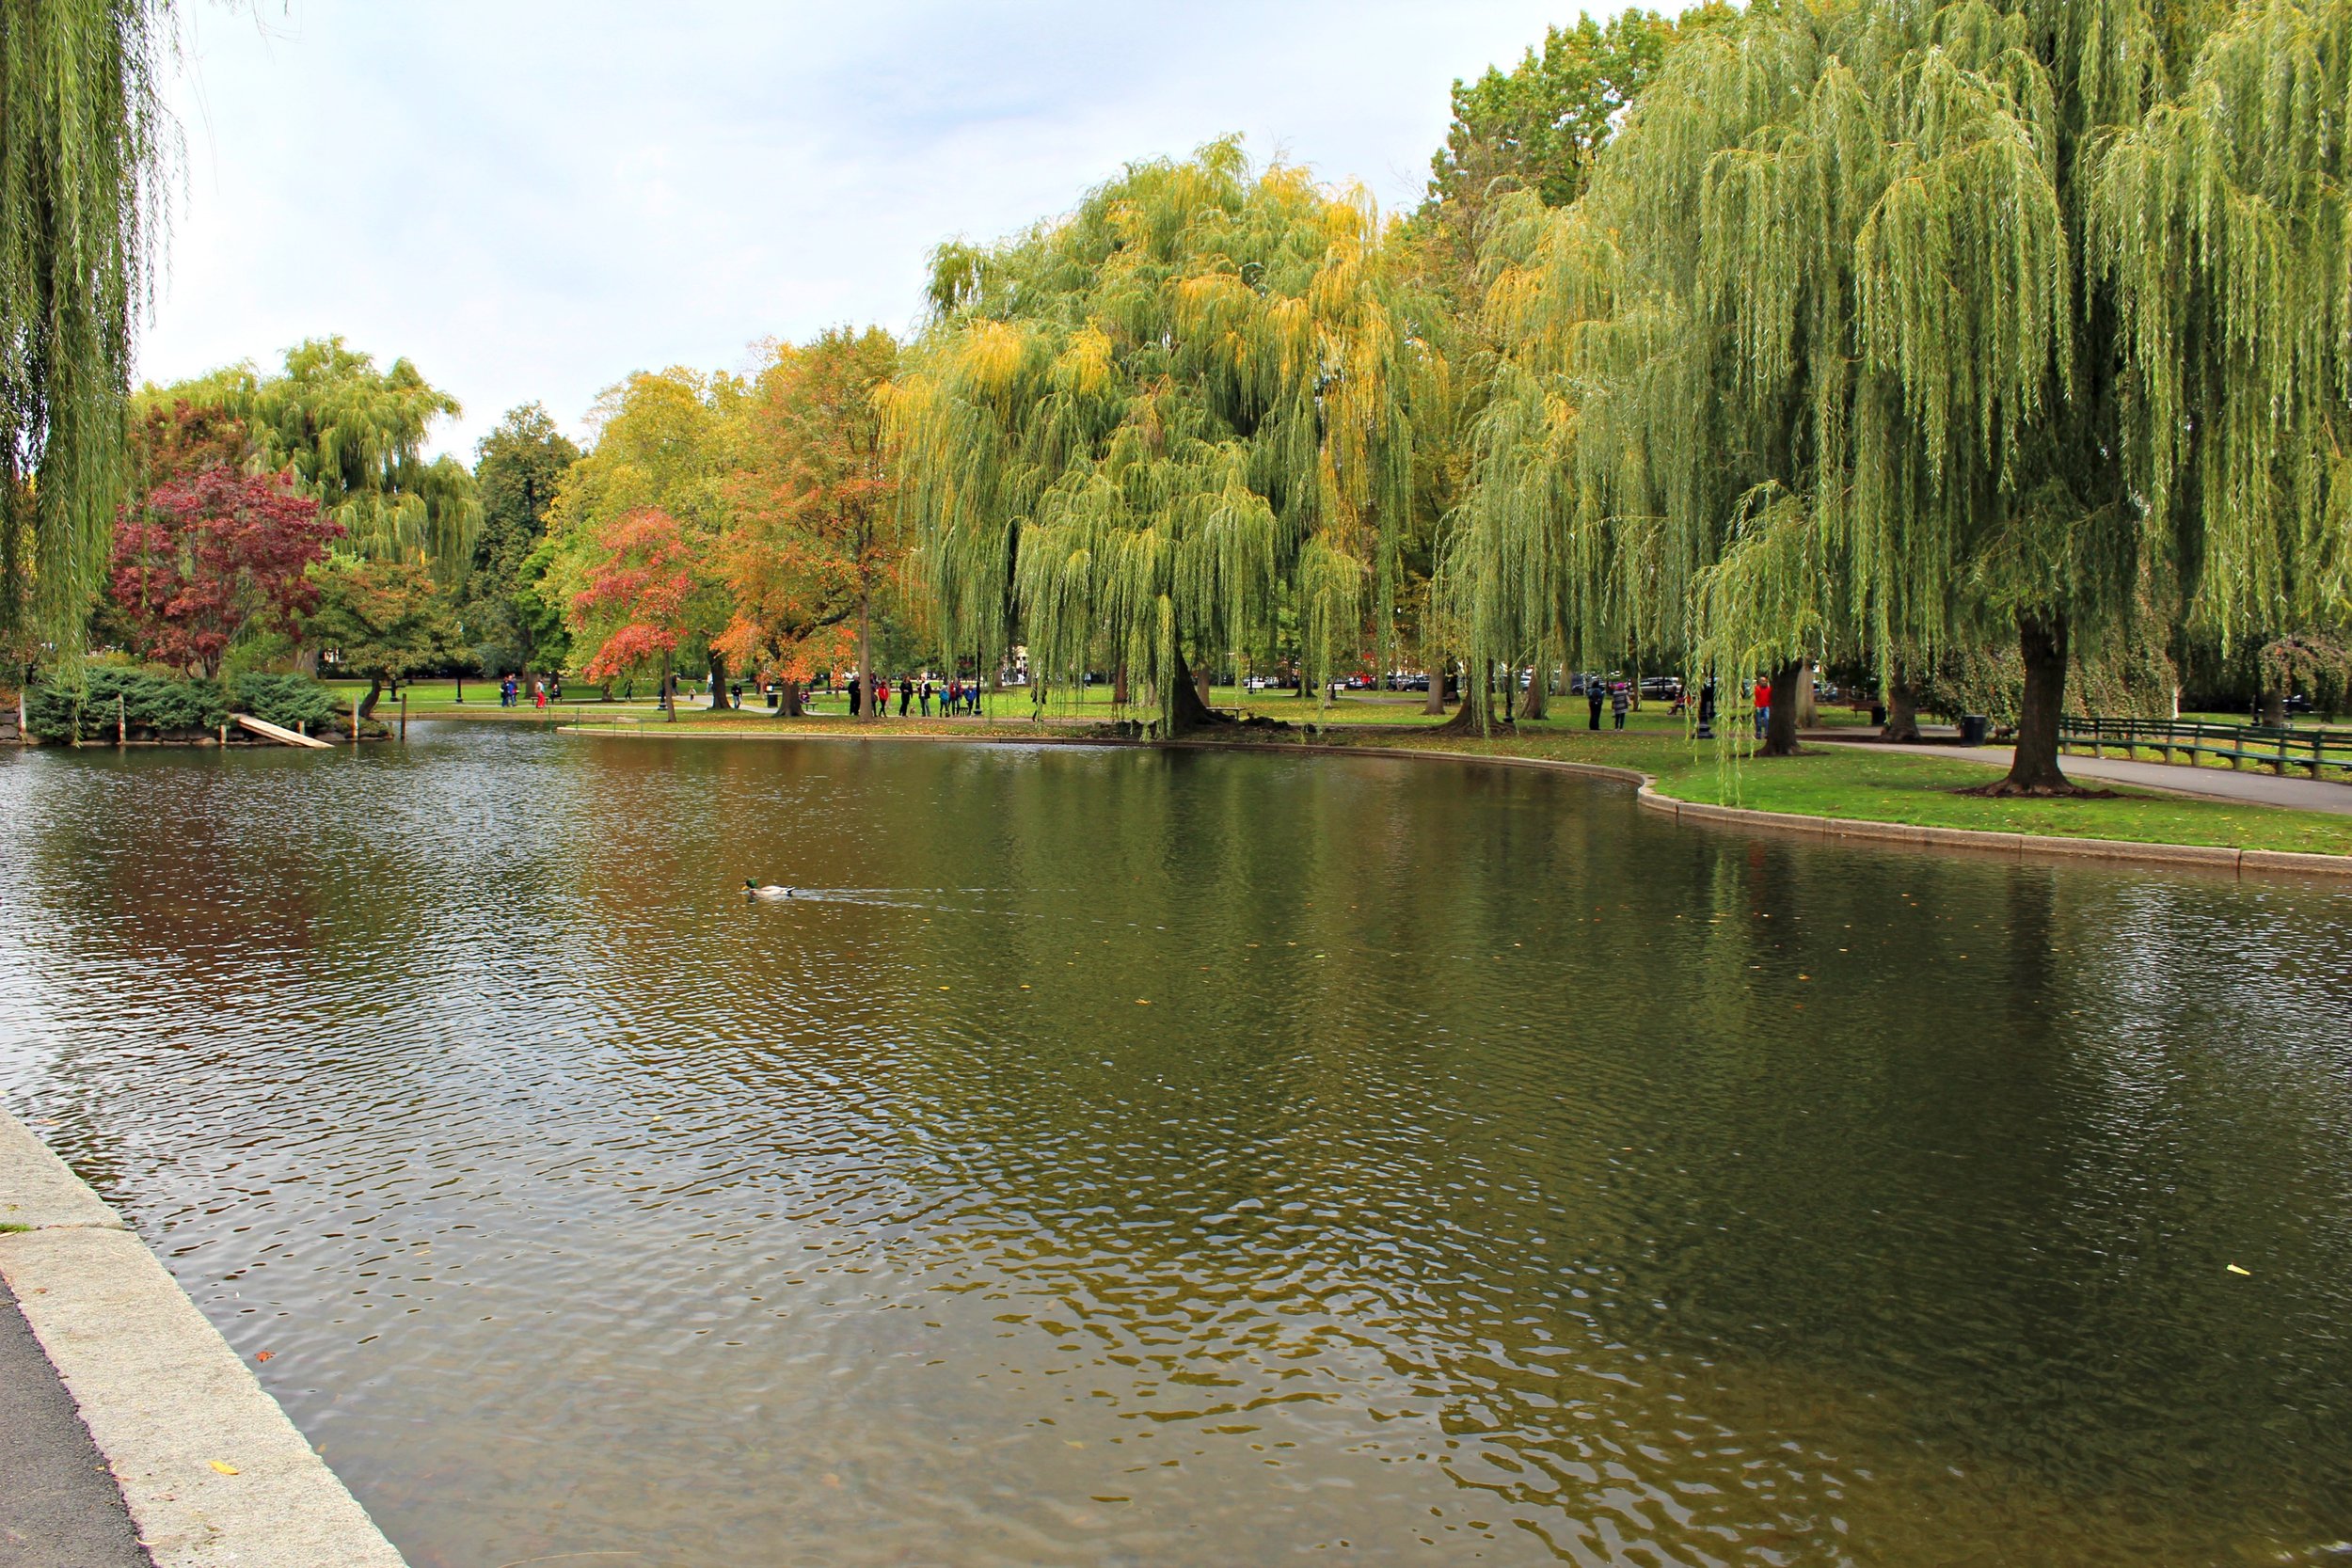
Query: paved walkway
59	1507
2217	784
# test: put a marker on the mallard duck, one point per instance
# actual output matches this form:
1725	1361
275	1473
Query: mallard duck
773	890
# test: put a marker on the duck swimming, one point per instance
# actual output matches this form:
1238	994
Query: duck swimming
773	890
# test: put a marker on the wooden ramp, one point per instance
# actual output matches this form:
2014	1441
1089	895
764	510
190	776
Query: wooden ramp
278	731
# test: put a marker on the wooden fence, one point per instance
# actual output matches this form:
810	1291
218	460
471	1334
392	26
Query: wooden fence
2312	749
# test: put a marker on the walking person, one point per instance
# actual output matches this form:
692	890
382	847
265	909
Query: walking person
853	696
1594	697
539	695
1619	702
1763	705
923	698
906	694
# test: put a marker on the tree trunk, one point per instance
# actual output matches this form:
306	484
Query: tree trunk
2041	643
865	653
1435	704
1187	710
1902	706
375	689
1780	730
1537	679
1119	686
1808	710
1470	718
669	698
719	698
788	700
2274	706
1200	685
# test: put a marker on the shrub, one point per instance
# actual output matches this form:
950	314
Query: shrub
158	704
288	700
170	704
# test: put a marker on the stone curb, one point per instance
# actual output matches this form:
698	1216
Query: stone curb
2014	845
214	1473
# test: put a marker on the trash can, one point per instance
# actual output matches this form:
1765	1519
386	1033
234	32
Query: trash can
1973	728
1878	714
773	693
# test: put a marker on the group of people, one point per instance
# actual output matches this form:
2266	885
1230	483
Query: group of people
1618	695
542	692
955	696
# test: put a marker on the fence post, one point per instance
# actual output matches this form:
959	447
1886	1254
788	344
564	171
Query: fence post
403	719
122	723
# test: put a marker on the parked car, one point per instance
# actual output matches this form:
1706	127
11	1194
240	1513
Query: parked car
1663	688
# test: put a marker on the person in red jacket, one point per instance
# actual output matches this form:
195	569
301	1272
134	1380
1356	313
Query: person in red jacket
1763	705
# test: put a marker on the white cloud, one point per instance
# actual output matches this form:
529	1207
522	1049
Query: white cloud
531	200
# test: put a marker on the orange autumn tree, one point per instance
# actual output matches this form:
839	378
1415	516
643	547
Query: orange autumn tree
639	598
812	546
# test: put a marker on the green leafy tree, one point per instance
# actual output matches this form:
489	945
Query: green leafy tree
82	137
1533	132
518	469
1540	126
386	620
2216	227
1854	342
352	437
1131	436
538	608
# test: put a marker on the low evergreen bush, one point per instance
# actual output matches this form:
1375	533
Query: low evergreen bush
292	701
156	704
169	707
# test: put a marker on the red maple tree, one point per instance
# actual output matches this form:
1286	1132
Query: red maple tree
639	594
209	555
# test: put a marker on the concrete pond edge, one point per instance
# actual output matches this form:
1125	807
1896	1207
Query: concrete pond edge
212	1472
2012	846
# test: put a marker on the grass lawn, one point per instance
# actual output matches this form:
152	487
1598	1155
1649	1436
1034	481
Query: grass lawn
1888	787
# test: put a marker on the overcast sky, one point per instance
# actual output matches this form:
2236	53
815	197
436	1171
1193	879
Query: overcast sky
532	200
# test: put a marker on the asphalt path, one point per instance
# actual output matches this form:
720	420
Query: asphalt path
2215	784
59	1507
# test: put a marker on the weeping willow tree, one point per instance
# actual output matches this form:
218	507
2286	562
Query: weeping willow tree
353	436
2222	224
81	142
1835	357
1134	437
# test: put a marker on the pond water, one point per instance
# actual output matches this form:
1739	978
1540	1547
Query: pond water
1138	1158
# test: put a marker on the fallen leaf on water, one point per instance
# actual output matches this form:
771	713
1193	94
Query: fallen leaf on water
263	1355
1143	1001
224	1467
2235	1269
